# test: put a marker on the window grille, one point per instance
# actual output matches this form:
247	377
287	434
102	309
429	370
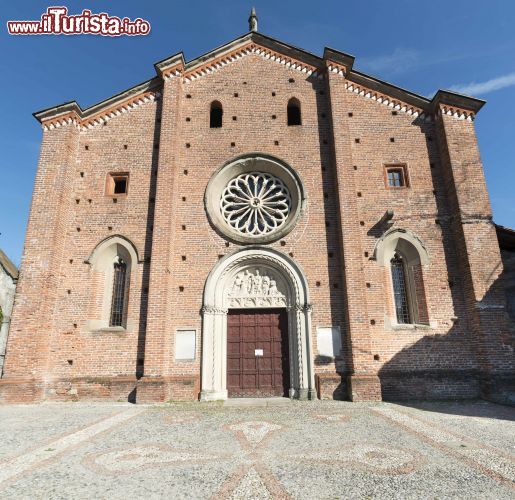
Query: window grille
400	291
395	178
119	292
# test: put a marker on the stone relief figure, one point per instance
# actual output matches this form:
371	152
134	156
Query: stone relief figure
257	281
247	282
266	285
237	285
255	289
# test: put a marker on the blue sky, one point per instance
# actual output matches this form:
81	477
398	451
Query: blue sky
467	45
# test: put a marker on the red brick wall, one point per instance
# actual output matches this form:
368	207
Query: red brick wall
171	159
33	319
54	315
253	130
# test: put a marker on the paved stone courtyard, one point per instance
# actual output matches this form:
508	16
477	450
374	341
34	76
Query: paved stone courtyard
293	450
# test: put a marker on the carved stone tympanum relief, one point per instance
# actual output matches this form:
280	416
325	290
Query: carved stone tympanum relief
256	288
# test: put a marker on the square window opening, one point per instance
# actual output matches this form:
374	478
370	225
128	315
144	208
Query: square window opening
395	176
117	184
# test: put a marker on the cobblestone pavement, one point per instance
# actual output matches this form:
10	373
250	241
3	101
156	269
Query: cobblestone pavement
297	450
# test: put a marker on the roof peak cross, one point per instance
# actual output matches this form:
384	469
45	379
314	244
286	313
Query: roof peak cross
253	20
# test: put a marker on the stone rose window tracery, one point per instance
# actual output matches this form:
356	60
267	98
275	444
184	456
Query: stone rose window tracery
255	203
254	199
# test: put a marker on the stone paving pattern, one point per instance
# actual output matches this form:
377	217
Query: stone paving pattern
298	450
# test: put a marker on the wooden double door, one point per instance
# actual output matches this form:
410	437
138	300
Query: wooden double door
257	353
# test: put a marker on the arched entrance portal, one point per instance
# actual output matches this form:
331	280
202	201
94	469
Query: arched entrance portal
256	279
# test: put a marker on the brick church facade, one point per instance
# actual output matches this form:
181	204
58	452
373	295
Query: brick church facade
260	221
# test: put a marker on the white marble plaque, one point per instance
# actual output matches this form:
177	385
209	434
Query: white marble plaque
258	352
185	343
329	341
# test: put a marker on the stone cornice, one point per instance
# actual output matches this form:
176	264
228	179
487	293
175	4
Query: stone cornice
71	113
458	101
345	61
257	44
193	72
386	100
61	111
333	67
458	113
457	105
264	41
250	43
444	102
173	65
388	89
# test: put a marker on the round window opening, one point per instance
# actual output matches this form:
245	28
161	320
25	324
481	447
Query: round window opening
254	199
256	203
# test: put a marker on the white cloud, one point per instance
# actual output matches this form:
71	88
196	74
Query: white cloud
498	83
398	61
405	60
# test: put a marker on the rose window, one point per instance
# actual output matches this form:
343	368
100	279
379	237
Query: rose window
255	203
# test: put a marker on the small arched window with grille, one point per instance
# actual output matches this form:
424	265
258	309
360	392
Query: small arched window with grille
400	289
216	115
293	111
119	296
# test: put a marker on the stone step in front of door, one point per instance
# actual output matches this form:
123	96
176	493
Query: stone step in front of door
263	402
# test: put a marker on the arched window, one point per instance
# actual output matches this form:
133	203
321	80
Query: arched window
113	267
216	115
293	110
119	297
403	255
400	289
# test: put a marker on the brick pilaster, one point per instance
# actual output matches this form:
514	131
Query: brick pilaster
478	251
363	383
158	331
